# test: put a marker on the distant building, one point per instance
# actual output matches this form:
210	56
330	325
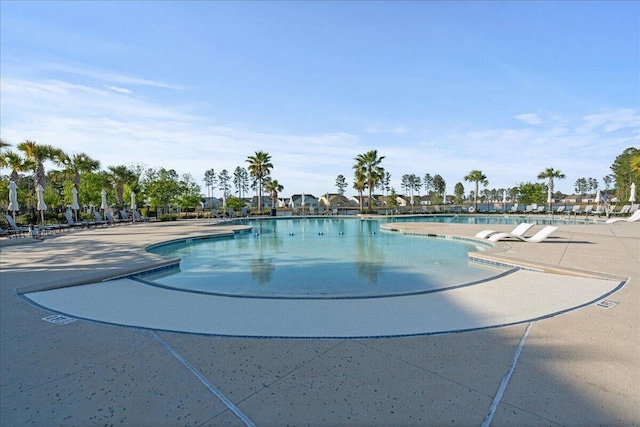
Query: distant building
573	199
266	202
334	201
211	203
309	200
376	200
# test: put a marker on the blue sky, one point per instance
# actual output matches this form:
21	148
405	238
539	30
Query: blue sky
509	88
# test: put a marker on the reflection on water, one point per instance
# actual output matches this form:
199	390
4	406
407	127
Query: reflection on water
262	269
320	257
369	257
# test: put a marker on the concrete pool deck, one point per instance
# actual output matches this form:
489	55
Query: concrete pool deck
579	368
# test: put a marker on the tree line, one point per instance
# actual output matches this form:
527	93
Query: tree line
370	174
162	188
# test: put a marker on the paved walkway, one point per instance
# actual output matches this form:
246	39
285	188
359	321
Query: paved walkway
575	369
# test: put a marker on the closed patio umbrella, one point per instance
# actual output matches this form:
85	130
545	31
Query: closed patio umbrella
504	200
74	203
103	204
133	205
632	197
41	206
598	200
13	199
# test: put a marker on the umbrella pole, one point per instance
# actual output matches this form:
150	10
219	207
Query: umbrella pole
42	216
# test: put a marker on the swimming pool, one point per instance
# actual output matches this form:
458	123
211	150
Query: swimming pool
319	258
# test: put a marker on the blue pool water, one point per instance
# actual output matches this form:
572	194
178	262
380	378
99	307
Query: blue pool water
319	257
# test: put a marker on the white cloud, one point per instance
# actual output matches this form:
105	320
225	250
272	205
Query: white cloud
531	119
108	76
610	121
119	89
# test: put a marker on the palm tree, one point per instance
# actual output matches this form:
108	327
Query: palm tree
75	165
368	166
477	177
119	177
16	163
259	167
38	154
550	174
274	187
359	185
3	144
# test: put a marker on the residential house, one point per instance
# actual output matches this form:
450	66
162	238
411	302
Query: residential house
211	203
309	200
331	201
375	200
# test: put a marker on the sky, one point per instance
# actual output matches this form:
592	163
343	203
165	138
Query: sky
438	87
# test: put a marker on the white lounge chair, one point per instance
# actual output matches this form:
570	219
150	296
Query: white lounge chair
536	238
518	231
623	210
632	218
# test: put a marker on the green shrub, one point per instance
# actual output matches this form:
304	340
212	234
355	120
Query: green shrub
168	217
86	216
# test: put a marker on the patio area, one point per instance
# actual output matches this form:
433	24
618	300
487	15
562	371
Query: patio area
577	368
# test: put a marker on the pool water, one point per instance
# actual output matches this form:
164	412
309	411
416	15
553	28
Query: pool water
319	258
